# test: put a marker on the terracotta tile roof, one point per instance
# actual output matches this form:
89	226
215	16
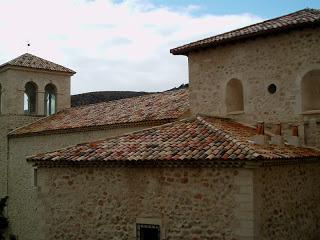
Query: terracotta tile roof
303	18
153	107
202	138
28	60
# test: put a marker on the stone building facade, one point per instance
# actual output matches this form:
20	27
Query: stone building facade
194	179
157	172
26	134
187	203
15	76
273	78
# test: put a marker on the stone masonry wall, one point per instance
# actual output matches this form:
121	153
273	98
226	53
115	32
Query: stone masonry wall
283	60
287	202
21	208
105	203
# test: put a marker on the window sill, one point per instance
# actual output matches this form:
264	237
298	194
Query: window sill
235	113
310	112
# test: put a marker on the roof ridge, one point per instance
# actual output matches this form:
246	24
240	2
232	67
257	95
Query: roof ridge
255	29
189	139
28	60
312	10
101	104
228	135
134	97
102	140
254	24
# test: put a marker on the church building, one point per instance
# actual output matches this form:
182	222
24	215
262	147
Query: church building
236	156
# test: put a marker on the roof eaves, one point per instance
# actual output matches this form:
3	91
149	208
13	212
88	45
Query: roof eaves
215	163
206	43
92	128
8	66
138	163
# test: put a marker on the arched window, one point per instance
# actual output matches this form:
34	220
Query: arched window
310	91
234	96
50	99
30	98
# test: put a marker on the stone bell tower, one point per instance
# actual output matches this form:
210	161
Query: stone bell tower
30	88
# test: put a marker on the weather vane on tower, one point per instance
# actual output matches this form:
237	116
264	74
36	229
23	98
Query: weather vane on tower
28	46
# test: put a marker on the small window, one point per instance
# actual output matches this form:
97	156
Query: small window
35	177
30	98
272	88
148	232
50	99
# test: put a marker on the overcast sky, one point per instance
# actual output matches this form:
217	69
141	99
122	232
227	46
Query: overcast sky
124	45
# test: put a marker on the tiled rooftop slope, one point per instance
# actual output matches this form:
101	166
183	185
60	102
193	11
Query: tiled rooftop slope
303	18
30	61
159	106
202	138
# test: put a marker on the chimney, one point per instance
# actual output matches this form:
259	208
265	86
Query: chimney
260	138
294	138
277	138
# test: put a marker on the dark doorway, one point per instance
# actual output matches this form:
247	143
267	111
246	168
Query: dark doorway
148	232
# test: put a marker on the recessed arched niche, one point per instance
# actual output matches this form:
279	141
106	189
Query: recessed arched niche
310	91
234	96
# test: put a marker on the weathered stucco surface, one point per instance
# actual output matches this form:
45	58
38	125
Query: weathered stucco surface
287	202
282	60
104	203
21	191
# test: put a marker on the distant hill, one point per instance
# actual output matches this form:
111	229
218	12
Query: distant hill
105	96
180	87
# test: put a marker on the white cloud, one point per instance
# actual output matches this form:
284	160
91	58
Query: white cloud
121	45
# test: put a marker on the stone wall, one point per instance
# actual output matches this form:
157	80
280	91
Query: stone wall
106	203
282	59
13	87
287	202
21	208
7	124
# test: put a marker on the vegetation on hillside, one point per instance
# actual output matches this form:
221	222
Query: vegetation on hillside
104	96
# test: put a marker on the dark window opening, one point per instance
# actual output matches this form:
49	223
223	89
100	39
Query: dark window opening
148	232
30	98
50	100
272	88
